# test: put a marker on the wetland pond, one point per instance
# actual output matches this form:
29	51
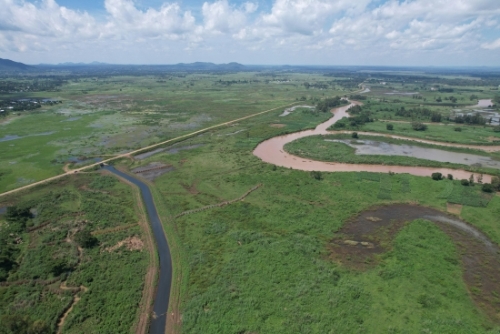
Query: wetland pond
363	238
372	147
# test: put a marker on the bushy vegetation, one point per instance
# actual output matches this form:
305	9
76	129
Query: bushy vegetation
39	255
329	103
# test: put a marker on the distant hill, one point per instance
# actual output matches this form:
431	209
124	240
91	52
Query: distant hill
9	65
209	66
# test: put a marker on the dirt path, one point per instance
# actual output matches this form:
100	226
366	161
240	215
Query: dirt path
130	154
76	290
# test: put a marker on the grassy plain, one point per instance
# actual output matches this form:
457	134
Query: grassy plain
264	264
104	116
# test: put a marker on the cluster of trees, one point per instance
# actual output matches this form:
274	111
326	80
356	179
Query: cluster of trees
359	118
318	85
357	97
16	218
417	126
470	119
419	113
327	104
450	98
22	324
36	85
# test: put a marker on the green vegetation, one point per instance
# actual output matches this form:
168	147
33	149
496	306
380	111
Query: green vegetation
264	264
42	266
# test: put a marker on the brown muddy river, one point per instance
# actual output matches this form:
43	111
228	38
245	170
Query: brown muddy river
271	151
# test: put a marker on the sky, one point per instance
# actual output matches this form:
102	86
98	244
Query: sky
294	32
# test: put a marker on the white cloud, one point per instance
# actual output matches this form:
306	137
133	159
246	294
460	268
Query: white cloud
126	20
491	46
220	17
394	28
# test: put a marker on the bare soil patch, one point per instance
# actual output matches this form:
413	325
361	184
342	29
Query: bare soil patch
131	243
362	238
277	125
455	209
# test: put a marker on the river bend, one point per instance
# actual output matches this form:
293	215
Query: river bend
272	151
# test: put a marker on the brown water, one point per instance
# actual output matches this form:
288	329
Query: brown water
271	151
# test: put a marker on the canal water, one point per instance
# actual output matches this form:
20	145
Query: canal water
162	296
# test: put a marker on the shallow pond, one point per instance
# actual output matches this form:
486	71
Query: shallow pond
372	147
14	137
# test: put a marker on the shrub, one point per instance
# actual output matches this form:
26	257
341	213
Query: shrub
436	117
495	183
437	176
317	175
450	177
85	239
389	127
487	188
458	129
354	135
464	182
496	128
417	126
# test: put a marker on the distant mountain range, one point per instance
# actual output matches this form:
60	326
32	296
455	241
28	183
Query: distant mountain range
9	65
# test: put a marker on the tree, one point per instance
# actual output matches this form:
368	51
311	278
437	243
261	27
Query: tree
317	175
487	188
417	126
17	217
471	180
495	183
437	176
464	182
389	127
436	117
85	239
355	135
450	177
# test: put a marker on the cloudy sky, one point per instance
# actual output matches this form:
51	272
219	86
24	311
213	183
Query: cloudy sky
315	32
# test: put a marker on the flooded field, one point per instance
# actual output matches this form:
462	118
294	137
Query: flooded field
14	137
372	147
